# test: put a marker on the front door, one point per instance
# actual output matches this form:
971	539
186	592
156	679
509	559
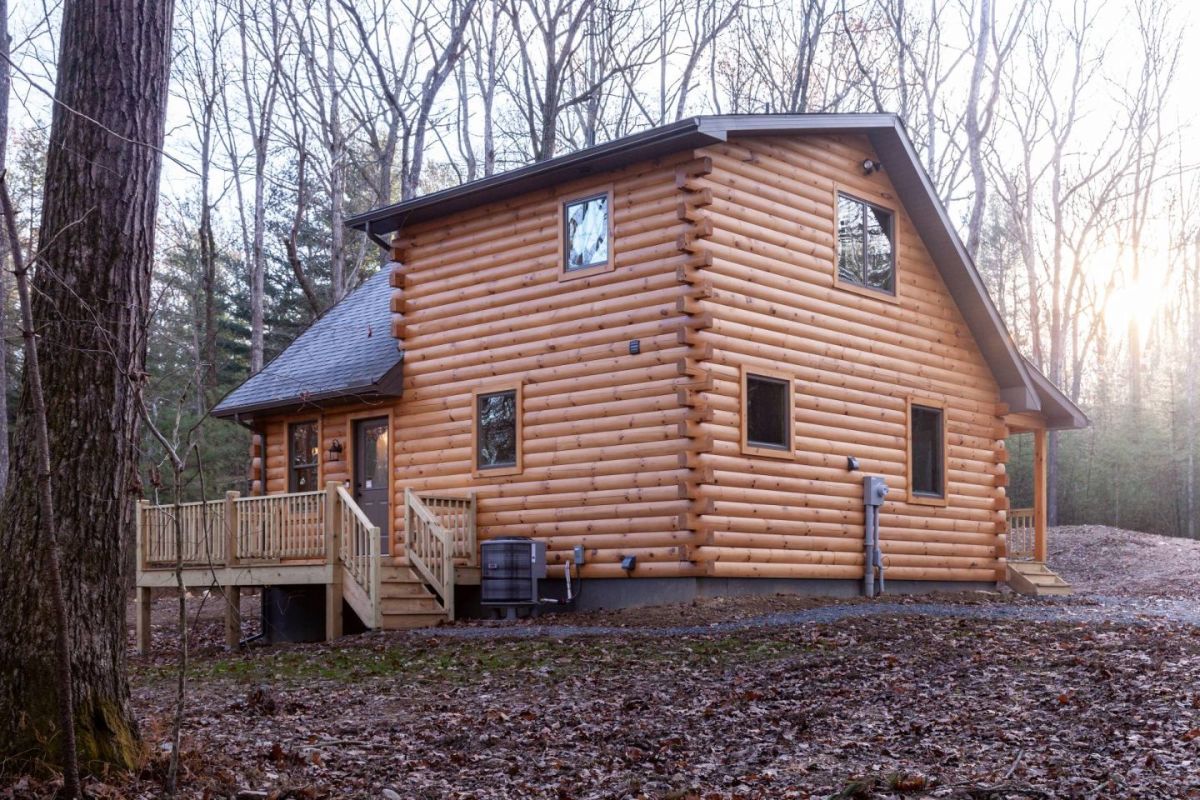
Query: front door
371	474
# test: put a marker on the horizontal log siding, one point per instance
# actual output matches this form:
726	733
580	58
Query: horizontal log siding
480	303
770	292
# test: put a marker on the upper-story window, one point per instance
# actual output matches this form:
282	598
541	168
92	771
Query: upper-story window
303	456
587	234
866	245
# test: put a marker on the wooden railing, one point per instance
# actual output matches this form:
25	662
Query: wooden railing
313	529
280	526
430	548
1020	543
456	515
202	529
359	547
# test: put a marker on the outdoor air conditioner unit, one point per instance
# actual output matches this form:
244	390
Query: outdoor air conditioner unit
510	571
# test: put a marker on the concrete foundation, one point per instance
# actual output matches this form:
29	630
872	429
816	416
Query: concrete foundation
609	593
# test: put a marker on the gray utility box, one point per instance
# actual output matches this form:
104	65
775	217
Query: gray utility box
510	571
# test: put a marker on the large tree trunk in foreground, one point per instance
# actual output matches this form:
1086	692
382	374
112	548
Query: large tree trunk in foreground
91	293
4	84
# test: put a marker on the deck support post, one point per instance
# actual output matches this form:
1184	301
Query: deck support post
333	554
233	616
143	620
1040	548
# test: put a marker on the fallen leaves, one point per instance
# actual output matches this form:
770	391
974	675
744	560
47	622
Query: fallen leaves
872	707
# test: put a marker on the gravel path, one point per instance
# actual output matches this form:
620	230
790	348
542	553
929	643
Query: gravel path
1090	610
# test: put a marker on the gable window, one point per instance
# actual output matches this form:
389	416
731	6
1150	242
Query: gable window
866	251
498	431
926	453
767	414
586	224
303	456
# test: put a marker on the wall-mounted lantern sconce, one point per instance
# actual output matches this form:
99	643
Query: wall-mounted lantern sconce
335	450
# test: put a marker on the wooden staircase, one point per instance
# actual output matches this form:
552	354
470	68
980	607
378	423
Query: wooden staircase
406	602
1035	579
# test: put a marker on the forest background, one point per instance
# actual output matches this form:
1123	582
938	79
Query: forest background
1056	132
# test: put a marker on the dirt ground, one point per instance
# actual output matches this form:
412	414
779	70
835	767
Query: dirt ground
980	695
1110	562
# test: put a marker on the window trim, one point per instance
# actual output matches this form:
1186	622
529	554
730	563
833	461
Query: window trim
596	269
923	498
867	291
767	451
497	388
291	468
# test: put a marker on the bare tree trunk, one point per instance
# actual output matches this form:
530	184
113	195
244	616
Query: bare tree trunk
4	85
260	110
1192	442
91	298
974	134
67	751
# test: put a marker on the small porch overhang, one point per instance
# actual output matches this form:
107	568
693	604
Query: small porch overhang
346	355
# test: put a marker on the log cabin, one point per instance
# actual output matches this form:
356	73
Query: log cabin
676	359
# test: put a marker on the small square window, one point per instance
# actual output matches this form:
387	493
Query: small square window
927	468
866	252
767	415
497	430
586	233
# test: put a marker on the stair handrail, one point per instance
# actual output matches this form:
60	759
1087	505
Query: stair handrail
360	550
430	549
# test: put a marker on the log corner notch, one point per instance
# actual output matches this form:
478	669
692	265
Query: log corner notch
693	368
396	279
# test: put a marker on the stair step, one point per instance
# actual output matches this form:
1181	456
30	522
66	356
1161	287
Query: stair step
1045	579
411	605
397	622
1035	579
396	589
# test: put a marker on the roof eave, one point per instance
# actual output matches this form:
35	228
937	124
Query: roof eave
387	387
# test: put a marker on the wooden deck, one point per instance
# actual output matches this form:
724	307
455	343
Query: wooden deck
318	538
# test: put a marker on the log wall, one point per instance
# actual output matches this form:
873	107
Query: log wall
724	259
480	301
768	288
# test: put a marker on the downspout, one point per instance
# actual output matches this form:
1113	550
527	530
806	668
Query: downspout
874	492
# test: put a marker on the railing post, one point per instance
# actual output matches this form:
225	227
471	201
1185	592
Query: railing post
231	526
139	522
333	555
1040	498
448	578
333	524
407	518
472	533
373	577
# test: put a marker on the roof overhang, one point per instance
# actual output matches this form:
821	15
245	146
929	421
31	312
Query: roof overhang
387	388
1018	389
1059	411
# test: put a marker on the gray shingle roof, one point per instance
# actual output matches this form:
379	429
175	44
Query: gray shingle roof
347	353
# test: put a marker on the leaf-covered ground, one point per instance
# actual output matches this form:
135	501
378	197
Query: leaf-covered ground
870	706
962	697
